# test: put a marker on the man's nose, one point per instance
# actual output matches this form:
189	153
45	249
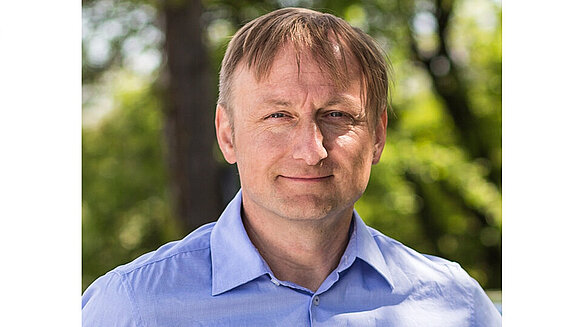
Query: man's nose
308	143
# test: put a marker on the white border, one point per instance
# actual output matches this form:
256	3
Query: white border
40	169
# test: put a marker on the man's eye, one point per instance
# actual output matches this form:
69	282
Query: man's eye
336	114
277	115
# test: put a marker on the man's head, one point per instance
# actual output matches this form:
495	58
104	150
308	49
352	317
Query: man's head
329	40
307	94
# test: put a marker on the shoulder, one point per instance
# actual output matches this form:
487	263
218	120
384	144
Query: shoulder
432	276
409	257
423	270
119	294
194	244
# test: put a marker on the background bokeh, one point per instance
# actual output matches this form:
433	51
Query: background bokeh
436	189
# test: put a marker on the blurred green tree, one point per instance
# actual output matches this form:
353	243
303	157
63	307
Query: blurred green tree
125	192
436	189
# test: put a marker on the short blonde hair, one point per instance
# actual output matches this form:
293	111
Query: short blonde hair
321	36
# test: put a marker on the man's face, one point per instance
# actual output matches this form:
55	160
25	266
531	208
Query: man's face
303	146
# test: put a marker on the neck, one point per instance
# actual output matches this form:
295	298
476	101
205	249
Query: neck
302	252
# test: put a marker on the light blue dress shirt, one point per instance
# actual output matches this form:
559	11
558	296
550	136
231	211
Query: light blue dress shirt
216	277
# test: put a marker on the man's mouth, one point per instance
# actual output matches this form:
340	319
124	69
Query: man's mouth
307	178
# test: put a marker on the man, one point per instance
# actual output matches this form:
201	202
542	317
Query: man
302	111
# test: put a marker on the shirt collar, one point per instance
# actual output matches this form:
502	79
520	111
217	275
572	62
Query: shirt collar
236	261
363	245
234	258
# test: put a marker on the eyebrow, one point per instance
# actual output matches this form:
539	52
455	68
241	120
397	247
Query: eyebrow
336	100
343	100
278	102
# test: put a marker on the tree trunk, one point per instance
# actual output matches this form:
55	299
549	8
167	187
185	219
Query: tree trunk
189	131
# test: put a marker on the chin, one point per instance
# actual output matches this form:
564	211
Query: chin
308	207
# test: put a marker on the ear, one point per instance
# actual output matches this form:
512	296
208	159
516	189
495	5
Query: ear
224	134
380	137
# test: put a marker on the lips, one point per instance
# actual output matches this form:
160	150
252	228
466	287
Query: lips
307	178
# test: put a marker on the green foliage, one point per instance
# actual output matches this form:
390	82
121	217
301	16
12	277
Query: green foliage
125	202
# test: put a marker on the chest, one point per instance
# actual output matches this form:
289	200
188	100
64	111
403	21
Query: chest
270	305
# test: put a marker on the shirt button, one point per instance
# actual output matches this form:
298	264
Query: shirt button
316	300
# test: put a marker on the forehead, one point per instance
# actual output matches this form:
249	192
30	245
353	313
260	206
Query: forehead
290	70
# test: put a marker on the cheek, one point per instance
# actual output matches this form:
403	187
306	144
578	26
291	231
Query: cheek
257	149
356	154
358	147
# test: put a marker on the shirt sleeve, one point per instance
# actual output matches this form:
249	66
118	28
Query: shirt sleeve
107	302
484	312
